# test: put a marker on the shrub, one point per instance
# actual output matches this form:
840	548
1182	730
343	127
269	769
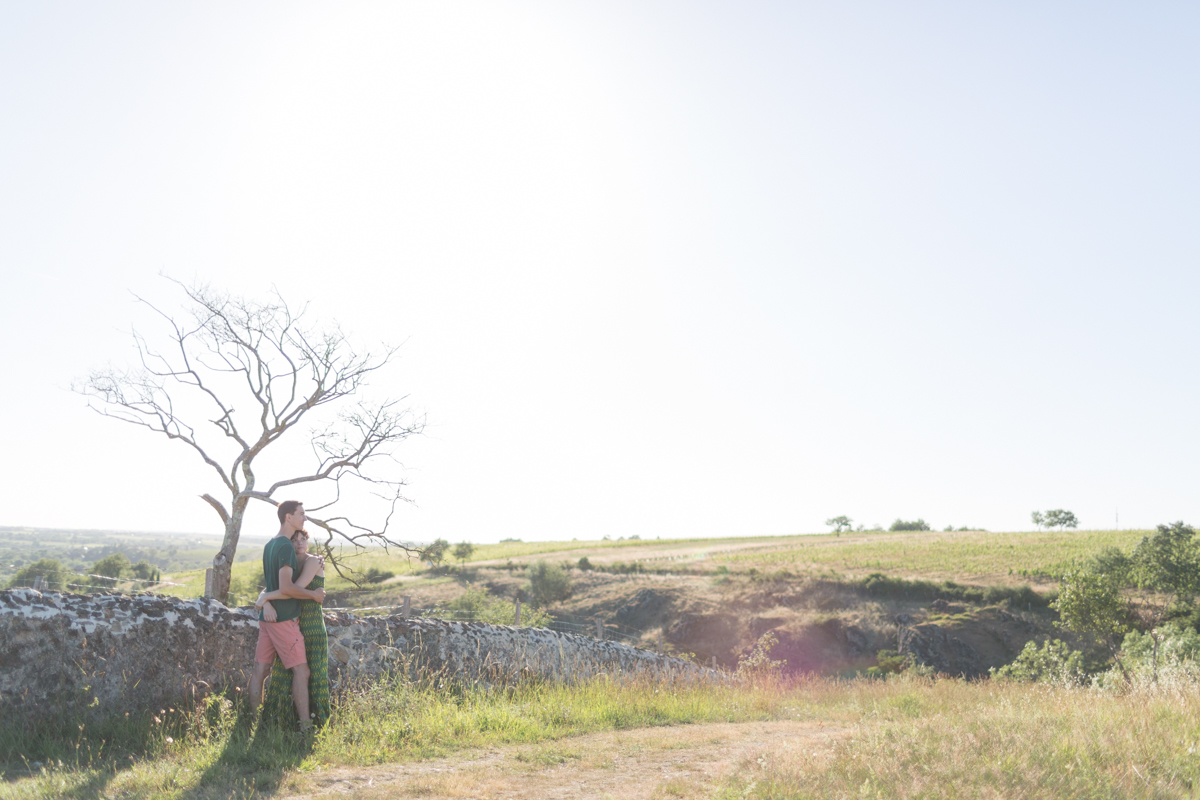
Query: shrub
376	575
901	525
48	569
145	571
1053	662
883	586
478	605
548	583
584	564
758	662
112	568
887	661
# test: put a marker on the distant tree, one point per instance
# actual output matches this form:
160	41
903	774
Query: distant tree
901	525
145	571
111	568
548	583
463	551
840	524
232	376
435	552
1058	518
1038	519
50	570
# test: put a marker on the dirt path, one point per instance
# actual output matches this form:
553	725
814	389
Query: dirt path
680	762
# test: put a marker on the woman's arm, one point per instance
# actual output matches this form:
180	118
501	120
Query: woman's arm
312	565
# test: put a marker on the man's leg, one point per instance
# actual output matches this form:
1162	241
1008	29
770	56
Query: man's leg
257	677
300	693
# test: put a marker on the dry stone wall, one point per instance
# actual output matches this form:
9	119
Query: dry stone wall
65	655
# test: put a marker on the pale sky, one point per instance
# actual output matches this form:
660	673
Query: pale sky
665	269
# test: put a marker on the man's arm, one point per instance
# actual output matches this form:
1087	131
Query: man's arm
312	565
289	589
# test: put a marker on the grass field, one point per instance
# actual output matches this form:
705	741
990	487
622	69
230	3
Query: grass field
906	737
970	556
973	557
902	737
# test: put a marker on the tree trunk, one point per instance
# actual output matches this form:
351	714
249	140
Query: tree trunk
223	563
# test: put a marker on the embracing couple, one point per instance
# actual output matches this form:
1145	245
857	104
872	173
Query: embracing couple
293	646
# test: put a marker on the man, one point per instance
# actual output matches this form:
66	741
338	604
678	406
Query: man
282	637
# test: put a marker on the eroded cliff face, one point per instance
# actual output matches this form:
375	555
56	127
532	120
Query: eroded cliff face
65	654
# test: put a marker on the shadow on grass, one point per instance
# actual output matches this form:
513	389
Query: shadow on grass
250	763
251	767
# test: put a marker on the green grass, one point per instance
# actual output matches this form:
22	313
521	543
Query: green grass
909	737
917	738
970	556
208	750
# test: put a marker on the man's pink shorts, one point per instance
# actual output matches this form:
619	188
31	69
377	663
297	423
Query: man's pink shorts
282	638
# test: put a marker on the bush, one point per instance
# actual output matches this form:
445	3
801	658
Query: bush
887	661
112	568
146	572
548	583
1053	662
758	662
901	525
584	564
883	586
48	569
376	575
1177	646
476	604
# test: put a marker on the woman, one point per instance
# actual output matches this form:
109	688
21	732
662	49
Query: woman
278	703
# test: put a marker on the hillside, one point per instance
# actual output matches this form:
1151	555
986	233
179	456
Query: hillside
833	601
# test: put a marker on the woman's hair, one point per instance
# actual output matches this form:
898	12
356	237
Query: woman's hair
299	532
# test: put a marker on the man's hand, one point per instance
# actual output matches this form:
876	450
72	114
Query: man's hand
319	595
261	599
268	612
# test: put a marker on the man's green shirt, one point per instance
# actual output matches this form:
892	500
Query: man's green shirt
280	553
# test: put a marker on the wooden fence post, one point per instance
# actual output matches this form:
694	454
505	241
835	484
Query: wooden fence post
37	583
714	662
660	647
517	613
599	629
407	610
208	582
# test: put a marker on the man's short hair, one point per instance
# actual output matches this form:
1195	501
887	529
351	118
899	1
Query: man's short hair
288	507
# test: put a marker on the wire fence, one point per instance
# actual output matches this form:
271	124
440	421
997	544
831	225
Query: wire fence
595	628
45	578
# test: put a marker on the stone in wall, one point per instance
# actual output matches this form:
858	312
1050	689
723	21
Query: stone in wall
66	654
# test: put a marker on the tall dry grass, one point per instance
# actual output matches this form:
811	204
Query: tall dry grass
919	738
911	737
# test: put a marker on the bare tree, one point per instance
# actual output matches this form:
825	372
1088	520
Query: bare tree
225	353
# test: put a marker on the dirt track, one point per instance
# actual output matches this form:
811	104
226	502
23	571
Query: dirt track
679	761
